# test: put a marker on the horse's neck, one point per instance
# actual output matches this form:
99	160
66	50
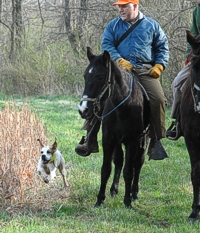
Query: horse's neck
122	85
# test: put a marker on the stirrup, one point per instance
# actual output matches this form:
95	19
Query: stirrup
174	134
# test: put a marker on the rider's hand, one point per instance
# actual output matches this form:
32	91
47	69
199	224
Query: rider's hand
124	64
156	71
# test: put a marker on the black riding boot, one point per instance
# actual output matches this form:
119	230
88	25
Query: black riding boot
89	143
156	150
174	131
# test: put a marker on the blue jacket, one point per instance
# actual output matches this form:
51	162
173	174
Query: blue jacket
146	44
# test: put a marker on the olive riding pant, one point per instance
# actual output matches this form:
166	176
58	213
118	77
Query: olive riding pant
157	103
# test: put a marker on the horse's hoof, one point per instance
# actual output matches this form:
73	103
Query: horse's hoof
128	206
113	192
193	217
98	204
135	199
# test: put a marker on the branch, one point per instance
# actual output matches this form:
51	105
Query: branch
40	13
5	25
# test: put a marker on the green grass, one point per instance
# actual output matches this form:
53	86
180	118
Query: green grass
165	195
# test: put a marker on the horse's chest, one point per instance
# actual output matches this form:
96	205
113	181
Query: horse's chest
125	125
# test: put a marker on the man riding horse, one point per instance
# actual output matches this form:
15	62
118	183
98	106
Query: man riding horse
144	49
174	131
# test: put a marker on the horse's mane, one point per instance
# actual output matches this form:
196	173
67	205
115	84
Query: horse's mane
119	72
195	55
195	62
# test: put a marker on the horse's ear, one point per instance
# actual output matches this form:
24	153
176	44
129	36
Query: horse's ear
106	58
90	54
192	40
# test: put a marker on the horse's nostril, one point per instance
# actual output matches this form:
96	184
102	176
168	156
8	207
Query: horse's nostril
85	113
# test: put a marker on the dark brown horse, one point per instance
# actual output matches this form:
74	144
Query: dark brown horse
190	120
117	99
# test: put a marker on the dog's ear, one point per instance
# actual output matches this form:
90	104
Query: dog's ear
40	142
54	146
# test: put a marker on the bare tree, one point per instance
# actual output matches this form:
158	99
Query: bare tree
35	27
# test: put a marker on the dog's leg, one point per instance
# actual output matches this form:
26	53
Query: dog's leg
42	172
52	172
62	171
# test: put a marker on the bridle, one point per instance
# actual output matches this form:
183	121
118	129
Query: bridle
197	88
193	97
107	86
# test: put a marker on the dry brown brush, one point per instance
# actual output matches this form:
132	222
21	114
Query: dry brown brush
20	185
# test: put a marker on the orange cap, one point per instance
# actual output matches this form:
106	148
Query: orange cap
123	2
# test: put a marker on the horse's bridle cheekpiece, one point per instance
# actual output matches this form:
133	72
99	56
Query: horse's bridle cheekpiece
195	96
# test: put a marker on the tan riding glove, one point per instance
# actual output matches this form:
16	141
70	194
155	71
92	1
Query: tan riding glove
156	70
124	64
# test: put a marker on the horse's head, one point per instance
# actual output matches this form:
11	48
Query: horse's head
97	83
195	67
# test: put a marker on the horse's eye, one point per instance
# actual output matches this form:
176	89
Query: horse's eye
99	78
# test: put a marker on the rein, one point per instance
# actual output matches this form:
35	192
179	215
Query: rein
123	101
195	86
193	97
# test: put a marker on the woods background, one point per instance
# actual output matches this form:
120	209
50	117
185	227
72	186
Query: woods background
43	42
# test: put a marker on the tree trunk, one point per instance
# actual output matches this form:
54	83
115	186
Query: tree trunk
12	34
70	34
18	23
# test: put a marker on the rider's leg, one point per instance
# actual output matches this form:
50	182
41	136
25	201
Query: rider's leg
89	143
174	132
157	122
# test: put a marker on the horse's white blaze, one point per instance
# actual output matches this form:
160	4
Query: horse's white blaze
83	106
91	69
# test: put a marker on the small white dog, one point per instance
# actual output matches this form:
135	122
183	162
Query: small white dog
50	160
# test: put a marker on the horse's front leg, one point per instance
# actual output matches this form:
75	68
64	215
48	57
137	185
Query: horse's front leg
138	163
105	172
195	206
118	161
128	173
195	174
